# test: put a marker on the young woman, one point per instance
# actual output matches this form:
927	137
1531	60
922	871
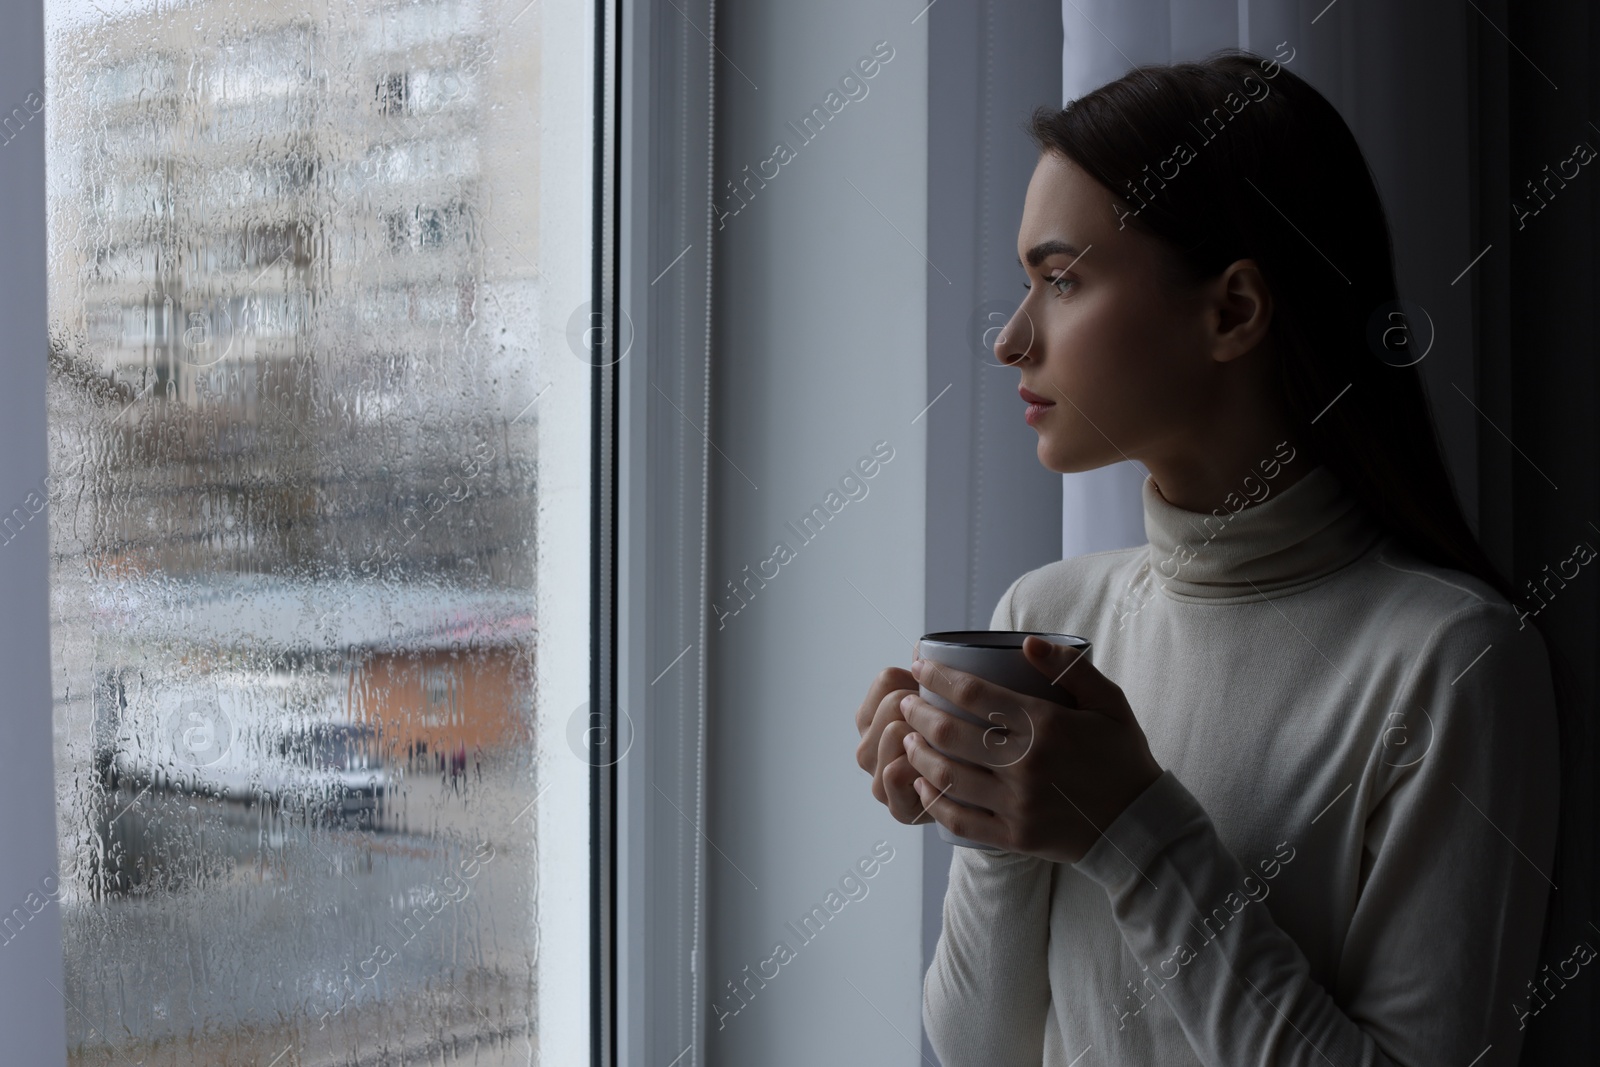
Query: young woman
1303	807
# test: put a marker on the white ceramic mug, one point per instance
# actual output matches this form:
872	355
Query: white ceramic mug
996	656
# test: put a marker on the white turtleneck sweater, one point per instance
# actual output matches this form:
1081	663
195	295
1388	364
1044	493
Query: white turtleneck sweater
1345	859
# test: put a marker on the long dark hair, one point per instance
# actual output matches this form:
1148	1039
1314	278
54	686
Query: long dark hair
1235	157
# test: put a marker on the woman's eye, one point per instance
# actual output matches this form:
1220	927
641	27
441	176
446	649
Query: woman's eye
1056	281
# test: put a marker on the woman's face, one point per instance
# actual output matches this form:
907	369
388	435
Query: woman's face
1124	351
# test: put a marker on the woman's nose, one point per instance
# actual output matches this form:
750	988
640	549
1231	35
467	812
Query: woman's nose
1015	339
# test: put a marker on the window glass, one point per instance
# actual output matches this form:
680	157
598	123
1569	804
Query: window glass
302	503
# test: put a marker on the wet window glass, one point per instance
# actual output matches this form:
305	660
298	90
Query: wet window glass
297	516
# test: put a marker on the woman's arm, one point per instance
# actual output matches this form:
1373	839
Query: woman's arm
1445	932
987	994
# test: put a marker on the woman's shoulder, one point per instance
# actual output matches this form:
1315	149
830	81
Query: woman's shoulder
1069	588
1413	594
1460	665
1424	611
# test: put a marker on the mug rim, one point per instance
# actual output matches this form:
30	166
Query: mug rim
987	638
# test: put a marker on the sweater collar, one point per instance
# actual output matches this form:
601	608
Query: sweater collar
1293	537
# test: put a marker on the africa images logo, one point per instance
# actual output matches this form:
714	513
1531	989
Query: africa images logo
852	486
852	887
851	88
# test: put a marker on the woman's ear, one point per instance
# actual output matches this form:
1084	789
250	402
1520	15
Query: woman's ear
1241	310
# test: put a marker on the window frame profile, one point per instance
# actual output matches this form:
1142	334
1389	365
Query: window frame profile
653	226
651	986
34	1014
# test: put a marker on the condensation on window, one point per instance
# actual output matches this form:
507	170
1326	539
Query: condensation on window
293	518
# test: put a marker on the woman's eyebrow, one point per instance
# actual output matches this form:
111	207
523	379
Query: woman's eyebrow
1041	251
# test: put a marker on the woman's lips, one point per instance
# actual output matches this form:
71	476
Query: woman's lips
1037	405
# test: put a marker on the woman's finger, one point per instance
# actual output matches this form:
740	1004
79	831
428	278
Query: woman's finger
953	779
899	796
973	824
888	680
891	746
952	734
1071	671
887	710
979	697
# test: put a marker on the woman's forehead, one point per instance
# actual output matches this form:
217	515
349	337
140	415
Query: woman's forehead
1068	212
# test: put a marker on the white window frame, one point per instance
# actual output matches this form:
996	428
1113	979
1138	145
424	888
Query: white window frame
665	132
33	1013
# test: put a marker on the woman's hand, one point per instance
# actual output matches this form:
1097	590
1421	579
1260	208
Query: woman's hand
882	752
1078	767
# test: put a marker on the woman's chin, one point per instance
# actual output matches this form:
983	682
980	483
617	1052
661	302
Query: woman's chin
1052	459
1067	459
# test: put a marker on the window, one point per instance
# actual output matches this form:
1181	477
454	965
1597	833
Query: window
394	93
320	528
